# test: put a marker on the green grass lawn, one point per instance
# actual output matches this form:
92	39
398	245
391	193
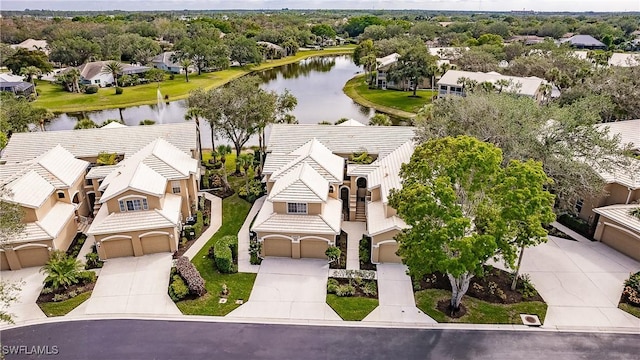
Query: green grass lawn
394	102
635	311
351	308
62	308
54	98
234	212
478	311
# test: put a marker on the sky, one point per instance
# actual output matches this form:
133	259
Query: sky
473	5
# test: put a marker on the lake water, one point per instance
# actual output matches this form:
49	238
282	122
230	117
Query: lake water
316	82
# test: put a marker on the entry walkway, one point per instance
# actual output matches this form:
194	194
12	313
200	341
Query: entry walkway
354	230
244	259
214	224
132	285
289	289
30	282
395	293
581	282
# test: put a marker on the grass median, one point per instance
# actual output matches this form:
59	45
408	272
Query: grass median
352	308
62	308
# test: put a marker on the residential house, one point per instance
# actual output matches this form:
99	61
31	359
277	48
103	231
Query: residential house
164	61
451	83
49	190
33	45
584	42
16	85
624	59
271	50
384	81
313	186
608	214
93	73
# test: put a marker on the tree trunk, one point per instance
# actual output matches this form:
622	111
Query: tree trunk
115	79
213	136
198	139
186	75
516	273
238	151
415	87
459	287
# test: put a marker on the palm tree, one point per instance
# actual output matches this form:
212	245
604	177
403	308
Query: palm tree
186	63
194	114
246	161
62	271
85	124
46	116
113	68
223	151
380	120
70	79
30	72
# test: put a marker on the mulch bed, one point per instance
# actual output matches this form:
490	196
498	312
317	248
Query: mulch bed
480	287
359	292
444	307
206	213
78	288
365	256
557	233
341	243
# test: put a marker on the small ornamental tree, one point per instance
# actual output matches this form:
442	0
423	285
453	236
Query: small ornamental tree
452	198
333	254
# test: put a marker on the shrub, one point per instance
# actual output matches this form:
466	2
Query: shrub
61	270
333	253
631	292
93	260
178	290
254	251
345	290
576	224
46	290
197	227
224	252
119	90
87	277
527	290
256	190
332	286
370	288
72	294
191	276
60	297
91	89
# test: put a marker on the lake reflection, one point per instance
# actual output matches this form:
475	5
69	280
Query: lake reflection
316	82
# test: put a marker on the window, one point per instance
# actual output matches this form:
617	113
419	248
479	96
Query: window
296	208
175	187
133	205
579	205
89	182
96	81
330	189
60	195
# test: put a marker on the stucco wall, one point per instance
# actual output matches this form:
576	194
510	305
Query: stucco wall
114	206
66	235
135	239
618	237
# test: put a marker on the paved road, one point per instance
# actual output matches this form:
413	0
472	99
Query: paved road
149	339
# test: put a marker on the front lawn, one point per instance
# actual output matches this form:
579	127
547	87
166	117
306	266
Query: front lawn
352	308
633	310
395	102
62	308
234	212
478	311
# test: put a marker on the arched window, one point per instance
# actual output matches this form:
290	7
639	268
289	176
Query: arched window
60	194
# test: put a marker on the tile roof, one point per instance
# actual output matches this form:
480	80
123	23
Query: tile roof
327	223
319	157
302	184
165	58
99	172
583	40
627	175
628	130
378	222
137	177
620	214
351	122
89	143
520	85
118	222
56	218
626	60
63	165
387	60
386	175
30	190
378	140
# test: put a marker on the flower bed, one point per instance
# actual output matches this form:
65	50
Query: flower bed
630	299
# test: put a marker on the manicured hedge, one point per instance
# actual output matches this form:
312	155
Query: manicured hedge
224	251
574	223
199	224
191	276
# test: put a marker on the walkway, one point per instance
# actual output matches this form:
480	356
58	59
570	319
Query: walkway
244	259
395	293
132	285
289	289
30	282
354	230
581	282
214	224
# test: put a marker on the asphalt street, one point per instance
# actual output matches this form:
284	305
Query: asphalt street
156	339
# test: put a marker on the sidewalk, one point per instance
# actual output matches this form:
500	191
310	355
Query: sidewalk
244	259
214	224
570	232
354	230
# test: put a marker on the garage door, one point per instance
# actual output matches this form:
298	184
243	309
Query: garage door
4	264
277	247
33	256
621	241
117	248
387	253
313	249
155	244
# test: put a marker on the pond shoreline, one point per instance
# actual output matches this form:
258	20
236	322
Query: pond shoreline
350	90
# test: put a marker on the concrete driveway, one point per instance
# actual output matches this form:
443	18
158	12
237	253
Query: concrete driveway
581	282
30	283
289	289
132	285
395	294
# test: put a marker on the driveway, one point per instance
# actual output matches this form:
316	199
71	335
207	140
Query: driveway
132	285
395	294
25	308
289	289
581	282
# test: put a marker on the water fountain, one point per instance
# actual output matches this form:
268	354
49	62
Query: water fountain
161	106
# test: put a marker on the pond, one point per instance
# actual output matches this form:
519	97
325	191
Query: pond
316	82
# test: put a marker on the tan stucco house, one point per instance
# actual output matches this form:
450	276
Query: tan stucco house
144	198
312	187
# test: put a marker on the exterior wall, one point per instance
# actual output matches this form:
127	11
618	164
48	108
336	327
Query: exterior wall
616	194
102	80
375	194
114	206
384	242
294	240
83	204
11	254
135	239
43	210
336	192
187	194
312	208
618	237
389	211
29	215
66	235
